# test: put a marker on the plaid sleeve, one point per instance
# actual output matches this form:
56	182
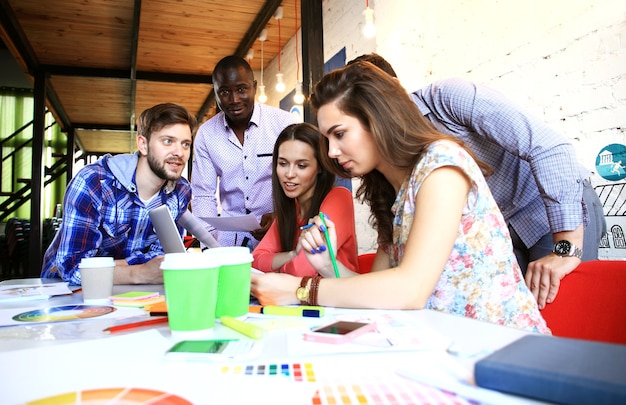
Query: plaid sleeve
79	231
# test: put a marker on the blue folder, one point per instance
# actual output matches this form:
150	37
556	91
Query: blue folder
561	370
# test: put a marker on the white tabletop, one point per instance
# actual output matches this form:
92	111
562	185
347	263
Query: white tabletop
41	360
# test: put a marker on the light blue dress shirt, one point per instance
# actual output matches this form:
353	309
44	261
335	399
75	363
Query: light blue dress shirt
241	174
537	181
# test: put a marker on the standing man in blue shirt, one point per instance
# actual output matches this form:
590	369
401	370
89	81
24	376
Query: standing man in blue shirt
107	202
233	151
554	216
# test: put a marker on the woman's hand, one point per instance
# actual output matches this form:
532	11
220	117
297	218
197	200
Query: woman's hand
275	288
313	242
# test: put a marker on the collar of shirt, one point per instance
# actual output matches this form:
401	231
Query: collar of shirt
254	119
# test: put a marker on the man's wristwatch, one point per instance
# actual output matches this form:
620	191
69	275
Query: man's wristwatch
303	291
565	248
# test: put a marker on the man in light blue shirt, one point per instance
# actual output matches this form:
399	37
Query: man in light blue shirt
232	157
555	217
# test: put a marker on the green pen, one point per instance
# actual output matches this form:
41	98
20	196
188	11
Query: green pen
330	247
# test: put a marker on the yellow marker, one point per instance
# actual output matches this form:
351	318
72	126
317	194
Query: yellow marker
248	329
307	311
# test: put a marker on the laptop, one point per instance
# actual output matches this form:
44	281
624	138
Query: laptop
166	230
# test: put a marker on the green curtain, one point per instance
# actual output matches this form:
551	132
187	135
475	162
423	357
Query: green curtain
16	110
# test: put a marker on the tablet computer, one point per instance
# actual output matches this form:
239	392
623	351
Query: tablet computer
166	230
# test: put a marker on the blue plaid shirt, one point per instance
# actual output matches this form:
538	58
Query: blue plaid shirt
537	181
104	216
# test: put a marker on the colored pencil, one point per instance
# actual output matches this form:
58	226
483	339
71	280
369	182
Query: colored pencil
151	321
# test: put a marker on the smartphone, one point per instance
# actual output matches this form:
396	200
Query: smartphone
215	349
339	332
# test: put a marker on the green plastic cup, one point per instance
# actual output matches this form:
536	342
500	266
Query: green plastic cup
190	283
233	287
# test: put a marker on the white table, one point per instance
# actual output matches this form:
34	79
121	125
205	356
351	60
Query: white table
44	360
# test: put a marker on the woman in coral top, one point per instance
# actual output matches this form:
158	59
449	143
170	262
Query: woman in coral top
301	189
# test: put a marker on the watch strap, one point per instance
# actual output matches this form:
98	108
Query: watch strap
577	252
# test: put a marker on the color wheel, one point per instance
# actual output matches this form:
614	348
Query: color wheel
63	313
113	396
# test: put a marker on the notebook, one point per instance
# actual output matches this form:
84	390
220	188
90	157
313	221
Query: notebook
166	230
562	370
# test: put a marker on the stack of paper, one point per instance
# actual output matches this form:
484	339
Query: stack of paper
31	289
137	299
158	309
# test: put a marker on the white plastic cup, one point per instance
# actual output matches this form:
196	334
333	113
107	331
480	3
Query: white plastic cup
96	275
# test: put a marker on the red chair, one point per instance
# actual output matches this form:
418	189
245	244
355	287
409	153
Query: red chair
591	303
365	262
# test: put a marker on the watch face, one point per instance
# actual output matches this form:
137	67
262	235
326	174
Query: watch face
562	248
302	294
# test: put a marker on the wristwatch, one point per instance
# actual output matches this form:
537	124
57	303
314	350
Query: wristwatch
303	291
565	248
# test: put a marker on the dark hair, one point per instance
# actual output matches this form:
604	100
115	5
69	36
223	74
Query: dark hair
160	116
400	132
231	62
376	60
285	207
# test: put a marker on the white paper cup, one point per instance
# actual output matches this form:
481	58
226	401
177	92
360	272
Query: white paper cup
96	274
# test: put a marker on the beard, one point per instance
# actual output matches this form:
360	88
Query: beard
159	169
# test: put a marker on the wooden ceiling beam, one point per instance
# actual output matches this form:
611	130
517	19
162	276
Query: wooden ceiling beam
57	70
261	20
111	127
174	77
